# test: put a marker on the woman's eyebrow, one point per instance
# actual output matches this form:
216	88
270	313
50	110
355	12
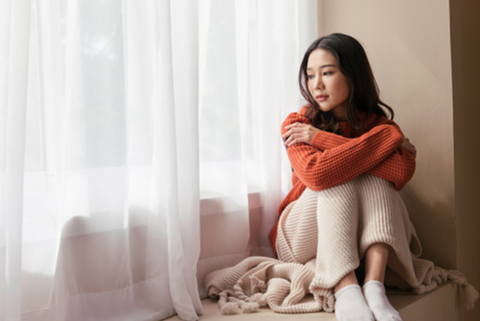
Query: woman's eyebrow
323	66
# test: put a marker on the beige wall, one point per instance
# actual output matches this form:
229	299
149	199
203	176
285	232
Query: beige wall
410	57
413	47
465	35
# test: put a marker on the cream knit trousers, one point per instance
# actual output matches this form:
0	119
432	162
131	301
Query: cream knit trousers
337	225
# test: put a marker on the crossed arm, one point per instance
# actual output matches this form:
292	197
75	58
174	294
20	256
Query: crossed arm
321	159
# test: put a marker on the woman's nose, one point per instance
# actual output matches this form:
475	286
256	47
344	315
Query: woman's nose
319	83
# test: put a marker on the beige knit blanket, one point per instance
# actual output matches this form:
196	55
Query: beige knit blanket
322	237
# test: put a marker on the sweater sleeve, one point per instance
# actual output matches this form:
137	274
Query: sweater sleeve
397	168
319	168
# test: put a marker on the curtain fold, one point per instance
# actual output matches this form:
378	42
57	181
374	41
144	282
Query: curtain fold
139	149
99	211
249	86
179	55
14	61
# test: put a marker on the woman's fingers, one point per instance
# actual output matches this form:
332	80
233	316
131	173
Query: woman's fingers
298	133
287	140
291	138
290	130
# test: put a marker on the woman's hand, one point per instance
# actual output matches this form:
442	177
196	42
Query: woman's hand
299	133
409	146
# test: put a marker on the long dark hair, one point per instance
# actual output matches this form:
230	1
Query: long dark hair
353	63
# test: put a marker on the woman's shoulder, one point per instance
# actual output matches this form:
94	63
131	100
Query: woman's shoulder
297	117
303	110
373	120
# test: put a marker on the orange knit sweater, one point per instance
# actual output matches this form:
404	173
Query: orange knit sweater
334	159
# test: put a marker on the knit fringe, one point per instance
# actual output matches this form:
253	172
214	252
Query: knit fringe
468	294
300	283
235	303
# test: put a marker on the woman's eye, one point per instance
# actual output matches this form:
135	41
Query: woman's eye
327	73
310	76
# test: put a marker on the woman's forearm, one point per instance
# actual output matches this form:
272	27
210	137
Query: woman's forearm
397	168
319	169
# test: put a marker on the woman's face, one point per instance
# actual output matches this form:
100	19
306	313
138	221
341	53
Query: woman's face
326	83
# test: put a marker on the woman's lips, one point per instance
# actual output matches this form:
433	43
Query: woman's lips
321	97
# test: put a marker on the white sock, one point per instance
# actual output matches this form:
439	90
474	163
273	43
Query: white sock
374	293
350	305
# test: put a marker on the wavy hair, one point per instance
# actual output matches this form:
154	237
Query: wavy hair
353	63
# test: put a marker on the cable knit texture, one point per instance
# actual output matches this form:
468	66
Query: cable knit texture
335	159
344	199
351	216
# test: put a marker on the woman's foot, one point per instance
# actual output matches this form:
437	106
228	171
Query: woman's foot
374	293
350	305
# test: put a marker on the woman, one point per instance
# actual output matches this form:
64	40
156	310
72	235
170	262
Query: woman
344	139
348	160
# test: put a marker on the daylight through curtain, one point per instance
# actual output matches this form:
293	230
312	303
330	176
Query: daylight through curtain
139	149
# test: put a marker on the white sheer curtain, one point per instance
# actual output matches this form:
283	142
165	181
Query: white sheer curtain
99	178
126	128
251	56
